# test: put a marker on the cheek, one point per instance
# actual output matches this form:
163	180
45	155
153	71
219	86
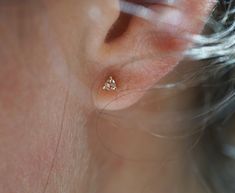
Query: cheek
29	125
26	155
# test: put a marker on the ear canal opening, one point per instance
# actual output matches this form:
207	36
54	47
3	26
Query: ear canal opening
118	28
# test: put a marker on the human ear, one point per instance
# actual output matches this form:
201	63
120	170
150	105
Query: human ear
140	42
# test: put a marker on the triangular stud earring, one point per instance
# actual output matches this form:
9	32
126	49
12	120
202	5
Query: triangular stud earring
110	84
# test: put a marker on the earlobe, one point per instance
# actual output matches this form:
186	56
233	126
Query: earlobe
146	51
131	81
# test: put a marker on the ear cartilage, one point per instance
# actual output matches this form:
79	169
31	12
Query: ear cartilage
110	84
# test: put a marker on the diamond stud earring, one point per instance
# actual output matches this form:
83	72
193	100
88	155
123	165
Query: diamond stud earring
110	84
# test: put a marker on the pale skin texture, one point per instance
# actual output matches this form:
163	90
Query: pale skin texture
48	113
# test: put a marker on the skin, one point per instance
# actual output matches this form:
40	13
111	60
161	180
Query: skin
53	135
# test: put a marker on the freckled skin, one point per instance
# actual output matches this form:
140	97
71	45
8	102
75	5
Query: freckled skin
53	138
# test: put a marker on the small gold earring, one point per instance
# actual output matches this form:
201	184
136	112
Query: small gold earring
110	84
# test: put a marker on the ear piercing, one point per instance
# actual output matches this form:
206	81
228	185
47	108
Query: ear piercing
110	84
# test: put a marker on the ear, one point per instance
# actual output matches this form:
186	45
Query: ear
141	45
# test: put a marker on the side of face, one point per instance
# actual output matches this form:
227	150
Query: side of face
55	57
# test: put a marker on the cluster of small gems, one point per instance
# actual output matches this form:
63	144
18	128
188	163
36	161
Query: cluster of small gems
110	84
